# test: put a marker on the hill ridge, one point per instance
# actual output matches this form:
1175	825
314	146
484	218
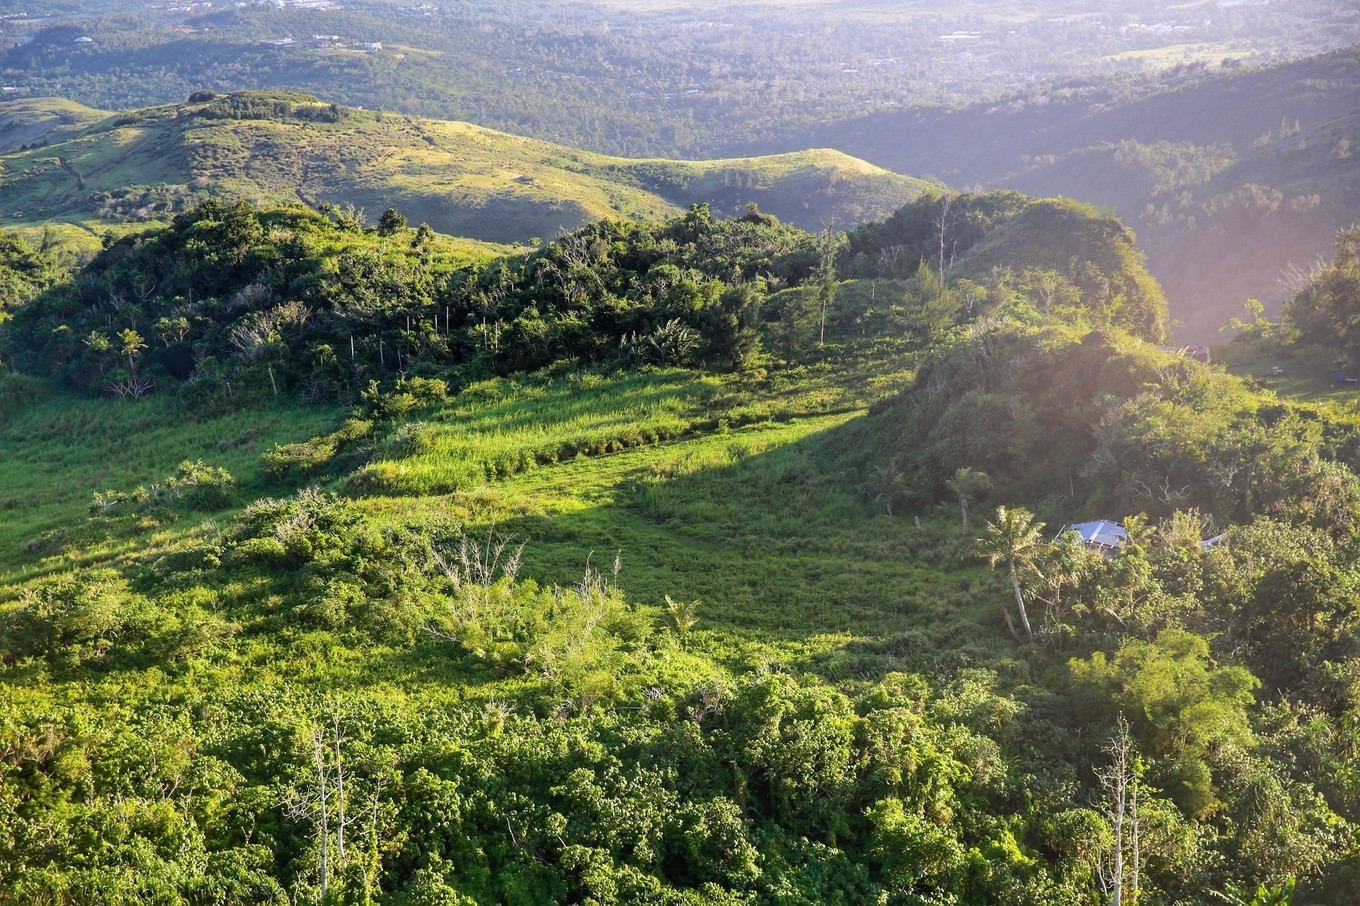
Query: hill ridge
459	177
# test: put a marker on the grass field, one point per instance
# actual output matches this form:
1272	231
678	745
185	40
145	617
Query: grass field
729	490
1177	54
48	479
1307	375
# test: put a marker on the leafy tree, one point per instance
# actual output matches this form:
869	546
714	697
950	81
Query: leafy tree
391	222
1326	310
1188	711
826	279
731	324
24	272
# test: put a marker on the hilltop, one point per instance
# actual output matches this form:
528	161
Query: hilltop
280	148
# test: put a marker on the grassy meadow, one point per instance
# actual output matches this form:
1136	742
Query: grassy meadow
49	480
724	489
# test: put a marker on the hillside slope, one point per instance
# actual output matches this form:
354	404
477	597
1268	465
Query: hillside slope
460	179
43	121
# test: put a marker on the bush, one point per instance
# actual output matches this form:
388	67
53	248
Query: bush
299	460
18	391
202	486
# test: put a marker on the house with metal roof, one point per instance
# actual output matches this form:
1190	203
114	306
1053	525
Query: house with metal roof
1102	534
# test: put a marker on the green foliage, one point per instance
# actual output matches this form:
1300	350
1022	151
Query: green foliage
249	304
194	486
680	617
84	620
24	272
1263	895
1323	311
18	391
1186	708
1074	259
1115	425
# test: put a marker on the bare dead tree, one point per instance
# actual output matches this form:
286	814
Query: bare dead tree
1120	864
133	388
322	801
313	803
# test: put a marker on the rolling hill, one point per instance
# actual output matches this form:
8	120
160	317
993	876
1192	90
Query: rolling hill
278	148
43	121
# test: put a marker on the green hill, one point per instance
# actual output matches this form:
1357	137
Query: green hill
42	121
272	148
1222	227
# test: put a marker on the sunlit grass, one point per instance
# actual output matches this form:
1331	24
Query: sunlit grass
57	454
727	489
1176	54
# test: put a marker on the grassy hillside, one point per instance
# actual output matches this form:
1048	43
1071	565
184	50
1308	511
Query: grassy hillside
42	121
458	178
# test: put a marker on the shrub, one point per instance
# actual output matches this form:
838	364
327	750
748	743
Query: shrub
18	391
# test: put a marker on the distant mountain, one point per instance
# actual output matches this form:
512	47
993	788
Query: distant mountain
272	147
1231	177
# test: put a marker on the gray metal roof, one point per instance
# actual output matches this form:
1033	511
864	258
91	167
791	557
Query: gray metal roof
1102	532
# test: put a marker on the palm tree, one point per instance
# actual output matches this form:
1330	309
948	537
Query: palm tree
680	618
888	484
967	483
1016	539
1067	563
132	344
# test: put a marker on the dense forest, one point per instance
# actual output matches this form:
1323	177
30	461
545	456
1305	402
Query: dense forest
701	561
230	300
